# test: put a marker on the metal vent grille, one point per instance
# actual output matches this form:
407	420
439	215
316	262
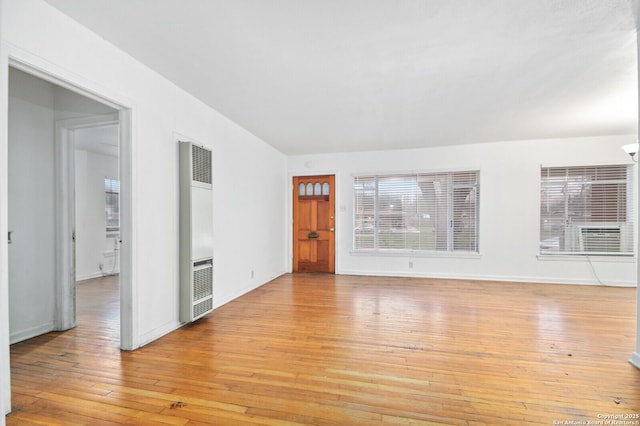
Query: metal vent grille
202	283
602	240
201	164
202	307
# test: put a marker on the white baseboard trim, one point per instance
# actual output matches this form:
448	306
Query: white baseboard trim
89	276
95	275
21	335
635	360
220	302
158	332
522	279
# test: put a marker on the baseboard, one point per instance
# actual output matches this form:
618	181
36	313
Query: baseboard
170	326
19	336
158	332
95	275
88	276
635	360
221	302
505	278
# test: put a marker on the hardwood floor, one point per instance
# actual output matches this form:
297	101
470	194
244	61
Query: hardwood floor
326	350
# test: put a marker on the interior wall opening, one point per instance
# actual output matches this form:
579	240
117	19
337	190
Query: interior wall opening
45	119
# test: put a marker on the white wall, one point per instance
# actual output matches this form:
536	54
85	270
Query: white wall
249	176
93	247
509	209
31	207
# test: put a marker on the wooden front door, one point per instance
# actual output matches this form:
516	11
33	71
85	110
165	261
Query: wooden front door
314	224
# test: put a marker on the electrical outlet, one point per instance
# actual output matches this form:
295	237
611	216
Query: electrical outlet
410	265
252	274
100	266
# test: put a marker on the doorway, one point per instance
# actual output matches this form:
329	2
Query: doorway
314	224
48	119
90	212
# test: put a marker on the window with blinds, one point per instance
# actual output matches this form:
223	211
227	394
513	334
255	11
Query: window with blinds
112	206
416	212
586	210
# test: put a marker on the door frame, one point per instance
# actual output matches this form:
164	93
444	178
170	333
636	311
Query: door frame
65	312
128	300
18	58
338	209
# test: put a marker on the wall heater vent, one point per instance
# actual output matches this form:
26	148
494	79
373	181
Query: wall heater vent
201	164
196	232
202	282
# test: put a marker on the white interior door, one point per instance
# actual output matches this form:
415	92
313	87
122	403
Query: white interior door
66	232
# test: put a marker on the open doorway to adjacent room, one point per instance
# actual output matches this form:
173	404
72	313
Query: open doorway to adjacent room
64	204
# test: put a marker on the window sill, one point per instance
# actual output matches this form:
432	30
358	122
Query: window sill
585	258
417	253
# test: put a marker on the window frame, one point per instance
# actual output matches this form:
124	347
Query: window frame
570	234
111	189
442	246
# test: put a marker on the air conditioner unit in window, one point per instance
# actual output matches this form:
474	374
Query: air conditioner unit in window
599	238
196	232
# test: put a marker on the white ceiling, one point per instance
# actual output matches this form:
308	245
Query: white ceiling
101	139
313	76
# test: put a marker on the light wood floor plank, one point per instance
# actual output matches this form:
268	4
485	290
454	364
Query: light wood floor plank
344	350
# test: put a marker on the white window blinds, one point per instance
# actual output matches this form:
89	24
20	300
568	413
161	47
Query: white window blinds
586	210
426	211
112	206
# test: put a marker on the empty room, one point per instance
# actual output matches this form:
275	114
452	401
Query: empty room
272	212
